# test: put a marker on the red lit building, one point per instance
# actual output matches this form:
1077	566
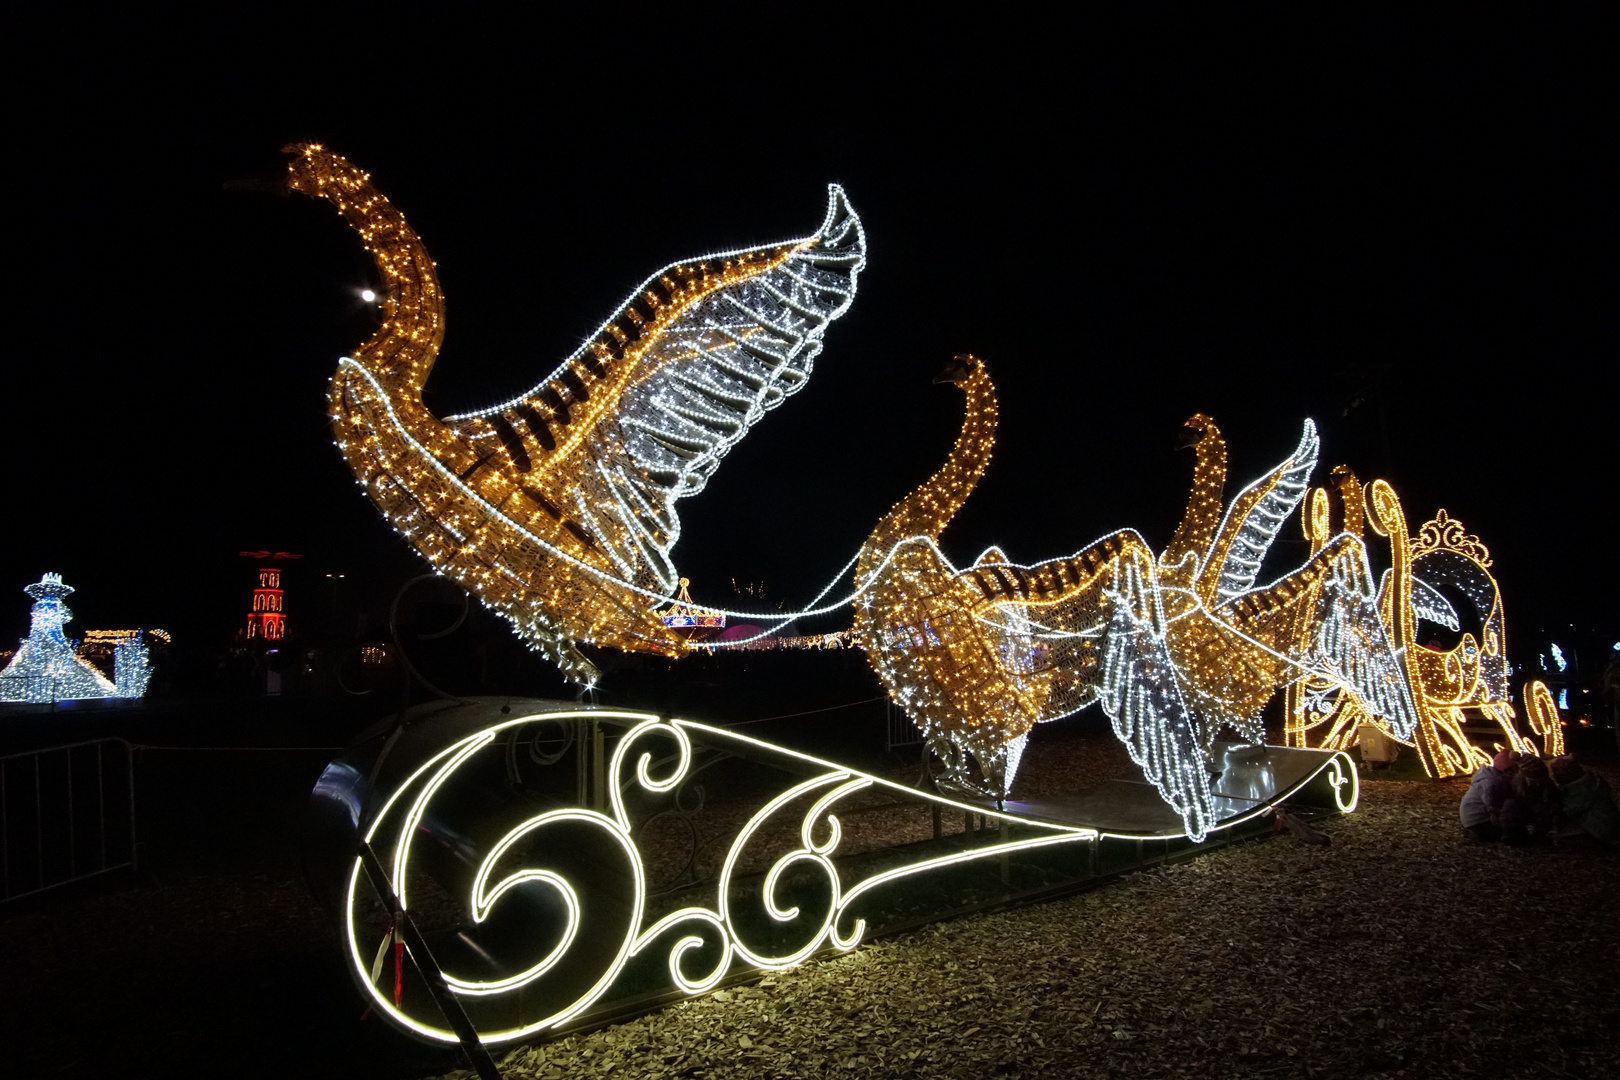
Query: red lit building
267	620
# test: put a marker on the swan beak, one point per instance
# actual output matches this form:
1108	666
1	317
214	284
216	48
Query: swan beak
960	367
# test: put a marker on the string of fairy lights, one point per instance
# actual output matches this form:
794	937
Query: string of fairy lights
1450	687
558	509
1177	647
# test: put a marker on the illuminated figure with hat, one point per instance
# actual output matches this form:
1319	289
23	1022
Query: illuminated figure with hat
46	668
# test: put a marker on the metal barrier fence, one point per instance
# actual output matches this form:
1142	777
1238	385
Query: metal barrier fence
899	728
66	813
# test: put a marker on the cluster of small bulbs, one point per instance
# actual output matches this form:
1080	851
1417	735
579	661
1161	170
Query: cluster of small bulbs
1445	684
46	666
1177	646
557	509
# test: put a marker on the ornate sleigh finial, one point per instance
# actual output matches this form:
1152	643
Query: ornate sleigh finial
1445	533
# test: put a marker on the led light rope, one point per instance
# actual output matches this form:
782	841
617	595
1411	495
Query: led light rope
653	597
408	802
583	470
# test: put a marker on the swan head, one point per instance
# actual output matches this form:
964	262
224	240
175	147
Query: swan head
1197	428
1342	477
961	368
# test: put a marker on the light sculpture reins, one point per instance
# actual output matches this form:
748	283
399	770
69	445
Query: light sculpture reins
557	508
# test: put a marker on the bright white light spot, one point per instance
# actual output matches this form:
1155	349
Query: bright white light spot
368	296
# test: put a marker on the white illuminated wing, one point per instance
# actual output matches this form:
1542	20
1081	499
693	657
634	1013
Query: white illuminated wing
708	362
1141	696
1351	647
1429	603
739	354
1254	517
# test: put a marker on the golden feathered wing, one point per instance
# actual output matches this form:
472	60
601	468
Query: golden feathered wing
558	508
699	375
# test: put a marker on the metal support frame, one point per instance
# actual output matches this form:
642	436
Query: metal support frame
898	729
416	947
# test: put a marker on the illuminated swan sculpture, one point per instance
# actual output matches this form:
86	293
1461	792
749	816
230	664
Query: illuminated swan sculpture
919	617
1176	647
1198	648
557	508
979	656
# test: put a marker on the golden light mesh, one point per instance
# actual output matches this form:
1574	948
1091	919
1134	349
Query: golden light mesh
1454	689
557	509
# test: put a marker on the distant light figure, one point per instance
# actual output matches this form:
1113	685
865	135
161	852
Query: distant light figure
368	296
46	668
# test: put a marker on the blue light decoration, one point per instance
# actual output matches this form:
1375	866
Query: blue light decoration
1558	657
46	666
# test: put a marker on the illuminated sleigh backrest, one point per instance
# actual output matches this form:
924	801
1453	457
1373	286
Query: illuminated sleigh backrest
1445	560
1430	571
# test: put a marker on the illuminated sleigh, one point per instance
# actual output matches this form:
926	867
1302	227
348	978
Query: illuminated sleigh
504	870
1459	691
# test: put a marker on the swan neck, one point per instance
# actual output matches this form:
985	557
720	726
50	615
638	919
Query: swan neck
1203	513
928	509
402	351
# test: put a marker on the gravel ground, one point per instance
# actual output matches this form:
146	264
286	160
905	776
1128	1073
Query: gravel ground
1400	949
1403	949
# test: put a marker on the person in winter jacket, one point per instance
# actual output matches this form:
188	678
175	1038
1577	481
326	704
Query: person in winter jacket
1586	808
1489	810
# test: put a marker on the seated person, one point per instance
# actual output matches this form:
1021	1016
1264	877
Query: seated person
1489	811
1537	797
1586	806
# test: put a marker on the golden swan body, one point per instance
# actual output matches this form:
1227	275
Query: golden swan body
557	508
1176	646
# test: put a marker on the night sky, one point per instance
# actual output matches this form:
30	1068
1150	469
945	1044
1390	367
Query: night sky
1404	232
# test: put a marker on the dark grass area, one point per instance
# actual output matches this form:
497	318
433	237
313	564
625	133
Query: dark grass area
212	959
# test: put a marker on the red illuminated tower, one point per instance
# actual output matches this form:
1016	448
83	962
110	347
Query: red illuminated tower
267	620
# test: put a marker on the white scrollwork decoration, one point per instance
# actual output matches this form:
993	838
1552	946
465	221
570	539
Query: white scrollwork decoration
396	825
1341	773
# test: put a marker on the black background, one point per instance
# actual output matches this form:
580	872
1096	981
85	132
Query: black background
1402	229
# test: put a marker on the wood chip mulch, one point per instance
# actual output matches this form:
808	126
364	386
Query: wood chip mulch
1401	950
